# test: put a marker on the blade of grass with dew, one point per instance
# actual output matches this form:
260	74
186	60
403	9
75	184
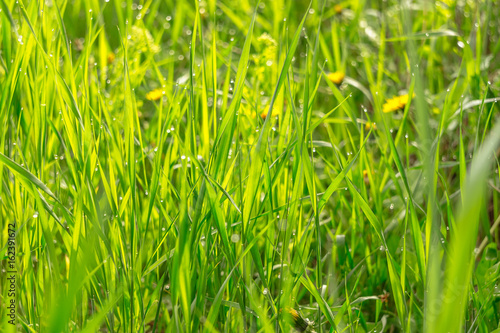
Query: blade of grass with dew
377	226
210	322
459	262
257	155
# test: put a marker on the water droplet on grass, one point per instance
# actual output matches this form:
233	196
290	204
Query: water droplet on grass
235	238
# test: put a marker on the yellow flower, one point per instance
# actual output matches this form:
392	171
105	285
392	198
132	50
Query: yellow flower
154	95
396	103
369	125
111	57
338	9
336	77
275	112
300	323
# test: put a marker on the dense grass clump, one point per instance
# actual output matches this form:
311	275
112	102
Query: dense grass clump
233	166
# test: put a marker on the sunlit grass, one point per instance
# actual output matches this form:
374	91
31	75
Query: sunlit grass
226	166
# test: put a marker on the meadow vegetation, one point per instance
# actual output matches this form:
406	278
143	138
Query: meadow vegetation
251	166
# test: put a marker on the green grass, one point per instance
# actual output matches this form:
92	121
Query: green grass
252	184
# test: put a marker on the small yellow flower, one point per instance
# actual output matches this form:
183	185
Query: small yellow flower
111	58
336	77
337	9
275	112
369	126
154	95
396	103
300	323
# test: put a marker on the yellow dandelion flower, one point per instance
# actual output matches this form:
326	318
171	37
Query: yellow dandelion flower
337	9
275	112
369	126
154	95
403	99
111	58
336	77
396	103
300	323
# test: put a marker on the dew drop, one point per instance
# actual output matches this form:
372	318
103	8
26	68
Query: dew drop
235	238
